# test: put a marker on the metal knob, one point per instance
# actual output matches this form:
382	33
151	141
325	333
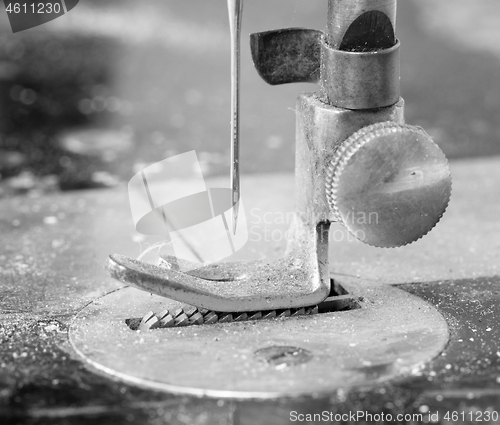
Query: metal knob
389	184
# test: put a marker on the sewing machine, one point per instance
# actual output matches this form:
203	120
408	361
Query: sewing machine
340	317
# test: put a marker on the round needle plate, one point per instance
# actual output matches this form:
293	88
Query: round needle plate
393	333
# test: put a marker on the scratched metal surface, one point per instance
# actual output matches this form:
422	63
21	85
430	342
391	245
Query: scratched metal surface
52	266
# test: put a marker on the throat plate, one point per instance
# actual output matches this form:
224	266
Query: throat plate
393	333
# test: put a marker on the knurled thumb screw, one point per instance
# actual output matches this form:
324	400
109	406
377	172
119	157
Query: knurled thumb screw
389	184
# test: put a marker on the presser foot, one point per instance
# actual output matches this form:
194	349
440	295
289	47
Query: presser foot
300	279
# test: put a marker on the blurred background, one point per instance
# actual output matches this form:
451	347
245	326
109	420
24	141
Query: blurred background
89	99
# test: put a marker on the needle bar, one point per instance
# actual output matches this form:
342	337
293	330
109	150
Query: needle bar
342	13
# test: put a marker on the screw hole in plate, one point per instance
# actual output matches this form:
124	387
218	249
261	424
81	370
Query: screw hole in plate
281	356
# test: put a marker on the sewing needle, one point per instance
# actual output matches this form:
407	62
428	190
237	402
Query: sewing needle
235	8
